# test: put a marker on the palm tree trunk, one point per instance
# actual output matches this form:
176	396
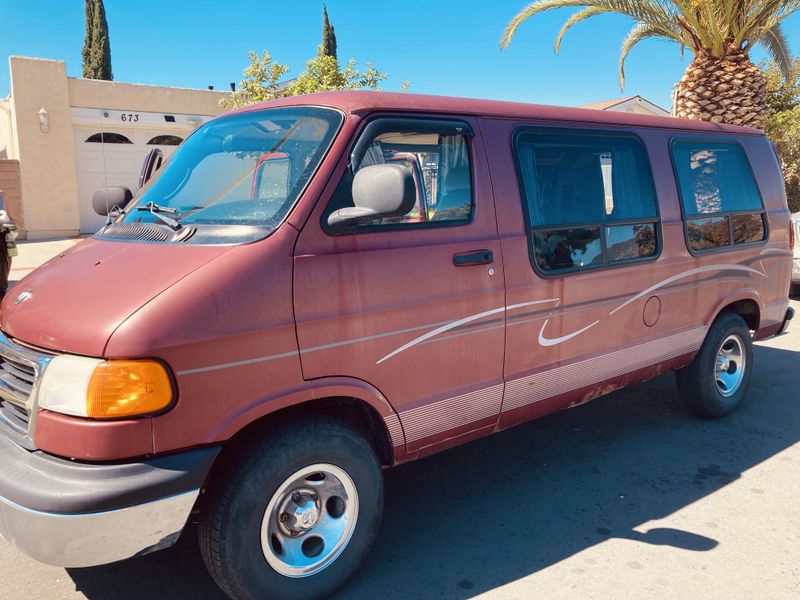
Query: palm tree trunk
723	90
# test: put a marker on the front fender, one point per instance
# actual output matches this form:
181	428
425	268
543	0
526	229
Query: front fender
317	389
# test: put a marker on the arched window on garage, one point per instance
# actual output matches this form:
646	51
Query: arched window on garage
165	140
108	138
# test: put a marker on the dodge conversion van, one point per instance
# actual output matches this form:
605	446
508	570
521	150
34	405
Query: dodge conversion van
319	287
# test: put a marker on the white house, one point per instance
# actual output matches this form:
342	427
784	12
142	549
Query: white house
631	104
62	138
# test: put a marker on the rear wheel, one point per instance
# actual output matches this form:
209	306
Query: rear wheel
295	514
715	382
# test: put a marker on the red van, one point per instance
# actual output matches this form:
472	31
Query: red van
271	321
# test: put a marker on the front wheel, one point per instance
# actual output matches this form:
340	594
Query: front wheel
295	514
715	382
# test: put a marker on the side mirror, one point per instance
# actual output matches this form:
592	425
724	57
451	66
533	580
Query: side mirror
379	191
105	199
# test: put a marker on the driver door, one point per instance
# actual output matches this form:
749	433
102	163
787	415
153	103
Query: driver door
413	307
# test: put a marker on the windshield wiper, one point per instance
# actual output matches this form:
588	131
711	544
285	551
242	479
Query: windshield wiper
156	210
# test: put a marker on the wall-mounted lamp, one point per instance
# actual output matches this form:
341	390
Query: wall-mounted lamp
44	120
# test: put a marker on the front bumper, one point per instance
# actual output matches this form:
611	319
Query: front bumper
78	515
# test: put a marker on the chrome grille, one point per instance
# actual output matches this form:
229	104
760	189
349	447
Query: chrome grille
18	376
15	416
19	369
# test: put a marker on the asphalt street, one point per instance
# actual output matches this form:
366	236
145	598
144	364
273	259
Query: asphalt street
628	496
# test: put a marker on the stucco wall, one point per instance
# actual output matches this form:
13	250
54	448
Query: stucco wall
89	93
47	160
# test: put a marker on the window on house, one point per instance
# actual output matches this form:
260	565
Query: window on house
165	140
720	198
439	161
108	138
589	199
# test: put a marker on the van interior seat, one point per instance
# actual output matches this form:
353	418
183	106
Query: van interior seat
455	199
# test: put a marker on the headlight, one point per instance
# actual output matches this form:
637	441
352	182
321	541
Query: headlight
104	389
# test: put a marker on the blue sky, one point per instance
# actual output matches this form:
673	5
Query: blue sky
444	47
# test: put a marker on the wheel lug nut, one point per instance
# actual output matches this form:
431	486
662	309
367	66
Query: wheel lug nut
296	497
284	517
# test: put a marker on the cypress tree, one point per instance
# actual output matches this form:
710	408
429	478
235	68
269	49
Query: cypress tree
96	52
88	40
328	47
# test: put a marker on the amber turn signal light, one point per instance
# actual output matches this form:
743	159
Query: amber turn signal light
125	388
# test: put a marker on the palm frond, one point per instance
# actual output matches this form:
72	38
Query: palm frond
762	16
689	16
652	11
640	32
576	18
776	44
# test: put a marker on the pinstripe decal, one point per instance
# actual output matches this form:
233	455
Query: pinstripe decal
395	430
458	323
447	414
688	273
773	314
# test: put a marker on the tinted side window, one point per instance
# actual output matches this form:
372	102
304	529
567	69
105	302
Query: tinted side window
719	195
589	197
441	169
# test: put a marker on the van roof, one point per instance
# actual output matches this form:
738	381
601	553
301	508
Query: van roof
356	102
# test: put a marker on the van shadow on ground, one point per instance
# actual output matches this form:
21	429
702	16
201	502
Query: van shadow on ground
493	511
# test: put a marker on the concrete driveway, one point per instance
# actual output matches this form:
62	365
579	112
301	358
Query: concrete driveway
626	497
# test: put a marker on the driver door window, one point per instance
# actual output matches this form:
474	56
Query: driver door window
440	165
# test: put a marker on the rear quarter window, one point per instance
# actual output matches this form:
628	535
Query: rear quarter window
720	199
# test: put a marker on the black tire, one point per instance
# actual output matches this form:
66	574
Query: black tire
697	382
231	515
794	290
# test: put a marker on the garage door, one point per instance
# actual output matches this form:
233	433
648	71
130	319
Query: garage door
110	147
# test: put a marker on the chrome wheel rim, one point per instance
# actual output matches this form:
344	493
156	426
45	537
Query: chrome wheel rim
309	520
730	365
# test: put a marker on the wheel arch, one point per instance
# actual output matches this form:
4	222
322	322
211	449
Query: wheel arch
352	401
747	304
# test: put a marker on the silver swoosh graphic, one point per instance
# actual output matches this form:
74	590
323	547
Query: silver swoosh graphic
458	323
555	341
689	273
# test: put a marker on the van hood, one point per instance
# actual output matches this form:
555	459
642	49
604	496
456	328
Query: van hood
76	300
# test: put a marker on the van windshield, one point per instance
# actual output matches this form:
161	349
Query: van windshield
246	169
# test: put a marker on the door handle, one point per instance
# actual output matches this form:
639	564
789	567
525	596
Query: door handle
468	259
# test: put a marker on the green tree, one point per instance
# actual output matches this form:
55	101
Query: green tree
323	74
96	51
328	35
261	82
721	84
783	124
262	78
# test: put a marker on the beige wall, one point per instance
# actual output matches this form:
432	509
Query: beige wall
47	160
90	93
49	191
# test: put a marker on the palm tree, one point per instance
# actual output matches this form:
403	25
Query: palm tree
721	84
